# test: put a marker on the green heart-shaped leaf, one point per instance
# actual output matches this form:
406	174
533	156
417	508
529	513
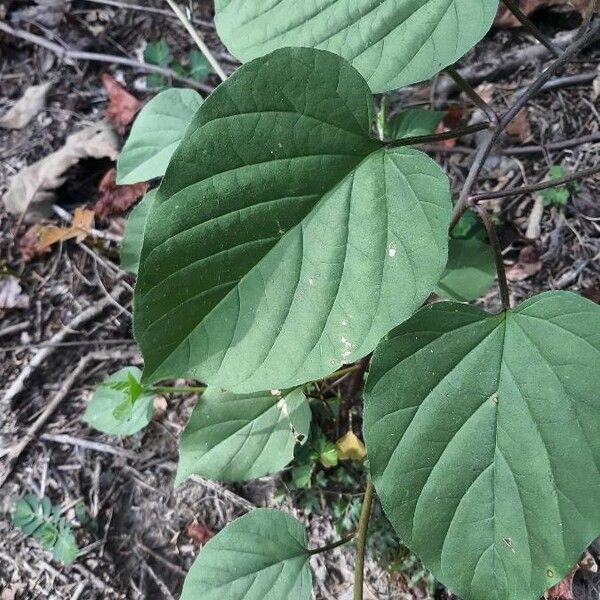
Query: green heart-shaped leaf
482	435
470	270
413	122
260	556
284	241
133	237
234	438
155	135
391	42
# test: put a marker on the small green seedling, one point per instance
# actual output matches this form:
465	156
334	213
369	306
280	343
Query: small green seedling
42	521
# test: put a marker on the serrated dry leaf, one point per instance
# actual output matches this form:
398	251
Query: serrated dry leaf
27	107
83	221
115	199
122	106
350	447
33	184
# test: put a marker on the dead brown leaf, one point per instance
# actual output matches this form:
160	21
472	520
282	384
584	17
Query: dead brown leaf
33	184
29	243
122	106
527	265
519	126
27	107
198	533
82	224
115	199
452	120
350	447
505	18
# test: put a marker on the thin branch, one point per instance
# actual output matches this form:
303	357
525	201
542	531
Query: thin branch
333	545
197	39
438	137
165	389
534	88
466	87
495	243
536	187
361	536
531	27
70	54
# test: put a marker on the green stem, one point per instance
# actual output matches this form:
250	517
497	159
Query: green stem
495	243
439	137
361	537
158	389
333	545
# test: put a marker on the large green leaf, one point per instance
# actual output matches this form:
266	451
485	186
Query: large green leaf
155	134
133	237
234	438
482	434
260	556
412	122
470	271
391	42
284	241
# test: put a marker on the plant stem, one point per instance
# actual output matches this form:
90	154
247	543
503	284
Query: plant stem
495	243
341	373
438	137
466	87
536	187
532	27
197	39
361	537
333	545
485	149
158	389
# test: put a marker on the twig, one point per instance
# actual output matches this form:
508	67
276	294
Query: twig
534	88
12	329
466	87
162	586
15	452
148	9
495	243
223	491
70	54
197	39
439	137
19	347
553	146
333	545
361	545
536	187
59	438
531	26
88	314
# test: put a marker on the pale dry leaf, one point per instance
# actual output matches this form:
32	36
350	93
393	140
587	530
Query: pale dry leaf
534	222
526	266
596	85
11	294
33	184
83	221
27	107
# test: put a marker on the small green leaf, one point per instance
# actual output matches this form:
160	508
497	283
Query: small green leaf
392	43
470	270
260	556
284	240
46	535
558	196
413	122
200	68
65	547
158	53
120	394
469	226
238	437
482	435
156	133
133	237
28	514
328	455
301	475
